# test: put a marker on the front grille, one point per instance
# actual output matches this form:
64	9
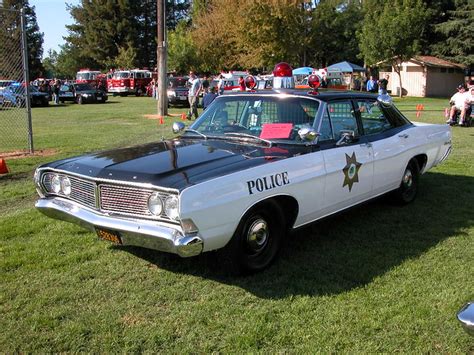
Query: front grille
121	199
83	191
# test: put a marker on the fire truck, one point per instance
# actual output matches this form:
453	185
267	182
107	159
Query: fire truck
126	82
93	77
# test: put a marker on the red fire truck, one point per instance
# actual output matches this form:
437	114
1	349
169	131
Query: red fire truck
93	77
125	82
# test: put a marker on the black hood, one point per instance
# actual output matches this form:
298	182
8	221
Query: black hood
176	163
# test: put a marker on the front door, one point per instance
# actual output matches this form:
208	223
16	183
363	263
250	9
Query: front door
349	164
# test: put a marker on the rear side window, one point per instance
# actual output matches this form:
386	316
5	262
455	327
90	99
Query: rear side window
342	118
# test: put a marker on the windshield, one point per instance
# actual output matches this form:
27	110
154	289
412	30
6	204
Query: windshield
83	87
177	82
83	76
273	118
121	75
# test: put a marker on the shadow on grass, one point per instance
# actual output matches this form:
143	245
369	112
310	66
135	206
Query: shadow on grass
350	249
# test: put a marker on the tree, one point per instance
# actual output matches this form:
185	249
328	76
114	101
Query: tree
391	32
126	57
181	50
457	34
101	28
10	36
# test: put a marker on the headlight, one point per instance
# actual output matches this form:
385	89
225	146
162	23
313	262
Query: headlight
171	207
171	93
56	184
66	186
155	204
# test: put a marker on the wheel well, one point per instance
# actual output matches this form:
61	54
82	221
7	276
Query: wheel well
289	207
421	159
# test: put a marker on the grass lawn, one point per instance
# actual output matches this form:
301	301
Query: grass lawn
378	278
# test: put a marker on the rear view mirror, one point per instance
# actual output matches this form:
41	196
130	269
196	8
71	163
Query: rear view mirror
178	127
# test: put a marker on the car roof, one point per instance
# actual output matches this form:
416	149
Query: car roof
323	95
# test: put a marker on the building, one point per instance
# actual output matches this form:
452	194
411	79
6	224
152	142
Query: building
425	76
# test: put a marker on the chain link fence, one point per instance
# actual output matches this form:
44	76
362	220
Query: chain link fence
15	112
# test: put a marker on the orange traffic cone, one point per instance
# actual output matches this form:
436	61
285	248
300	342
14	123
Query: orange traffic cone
183	116
161	120
3	167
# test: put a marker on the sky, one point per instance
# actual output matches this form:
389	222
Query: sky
52	18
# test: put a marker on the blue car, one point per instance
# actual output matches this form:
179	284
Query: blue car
15	95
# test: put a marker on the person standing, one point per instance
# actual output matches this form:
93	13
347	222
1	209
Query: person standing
193	95
57	85
383	84
371	84
241	83
220	85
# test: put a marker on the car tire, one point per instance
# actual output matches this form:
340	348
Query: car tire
408	189
256	241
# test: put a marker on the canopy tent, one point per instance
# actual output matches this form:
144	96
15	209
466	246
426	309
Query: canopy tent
302	71
346	67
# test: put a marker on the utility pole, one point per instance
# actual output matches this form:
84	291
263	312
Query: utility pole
161	58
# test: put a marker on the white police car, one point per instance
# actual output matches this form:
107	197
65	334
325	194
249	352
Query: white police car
251	168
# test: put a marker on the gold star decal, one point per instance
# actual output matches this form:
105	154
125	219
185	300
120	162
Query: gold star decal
351	171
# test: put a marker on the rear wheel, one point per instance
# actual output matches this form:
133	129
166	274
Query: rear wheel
408	189
257	239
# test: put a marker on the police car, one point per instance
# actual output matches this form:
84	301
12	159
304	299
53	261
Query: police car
253	167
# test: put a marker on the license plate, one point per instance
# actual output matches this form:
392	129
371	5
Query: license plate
183	98
111	236
68	94
99	98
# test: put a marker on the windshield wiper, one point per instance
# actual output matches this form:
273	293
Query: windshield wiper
246	135
194	131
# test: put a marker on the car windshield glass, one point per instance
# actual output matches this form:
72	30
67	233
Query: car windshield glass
121	75
84	76
64	88
265	117
82	87
177	82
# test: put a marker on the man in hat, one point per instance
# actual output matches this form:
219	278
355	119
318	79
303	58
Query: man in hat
458	103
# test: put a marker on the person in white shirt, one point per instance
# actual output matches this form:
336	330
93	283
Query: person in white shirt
457	102
467	107
193	95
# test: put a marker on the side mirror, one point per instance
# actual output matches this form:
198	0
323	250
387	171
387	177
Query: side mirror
347	136
308	134
385	100
178	127
466	317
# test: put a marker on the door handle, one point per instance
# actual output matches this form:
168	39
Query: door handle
368	145
403	135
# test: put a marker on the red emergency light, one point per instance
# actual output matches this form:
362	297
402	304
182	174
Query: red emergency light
314	81
283	70
250	82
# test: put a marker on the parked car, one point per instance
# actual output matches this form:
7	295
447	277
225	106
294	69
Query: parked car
5	83
253	167
178	91
15	95
81	93
466	317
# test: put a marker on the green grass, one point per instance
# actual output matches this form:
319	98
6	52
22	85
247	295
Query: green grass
378	278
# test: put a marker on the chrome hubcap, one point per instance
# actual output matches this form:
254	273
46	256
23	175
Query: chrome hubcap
257	235
408	178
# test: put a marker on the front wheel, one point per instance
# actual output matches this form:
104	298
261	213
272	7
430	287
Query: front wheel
408	189
257	239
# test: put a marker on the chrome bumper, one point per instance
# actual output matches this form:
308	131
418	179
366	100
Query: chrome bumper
142	233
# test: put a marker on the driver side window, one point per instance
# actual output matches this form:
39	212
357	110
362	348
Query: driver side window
342	118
